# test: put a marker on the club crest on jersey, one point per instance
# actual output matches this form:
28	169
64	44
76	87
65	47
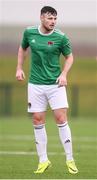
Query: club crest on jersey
50	43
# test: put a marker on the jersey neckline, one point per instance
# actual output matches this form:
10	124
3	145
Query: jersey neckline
43	33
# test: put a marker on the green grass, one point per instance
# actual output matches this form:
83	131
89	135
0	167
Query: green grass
16	135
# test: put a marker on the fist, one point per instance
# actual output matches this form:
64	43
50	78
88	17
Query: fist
20	76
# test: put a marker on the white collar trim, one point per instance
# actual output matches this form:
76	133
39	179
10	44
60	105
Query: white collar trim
44	33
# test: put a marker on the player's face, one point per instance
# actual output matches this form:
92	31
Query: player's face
48	21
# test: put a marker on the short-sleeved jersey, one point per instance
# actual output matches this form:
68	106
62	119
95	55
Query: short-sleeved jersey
45	54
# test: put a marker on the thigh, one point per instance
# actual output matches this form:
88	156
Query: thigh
57	97
37	101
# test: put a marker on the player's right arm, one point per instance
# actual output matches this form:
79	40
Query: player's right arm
22	53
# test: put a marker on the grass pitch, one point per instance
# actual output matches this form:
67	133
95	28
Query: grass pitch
18	157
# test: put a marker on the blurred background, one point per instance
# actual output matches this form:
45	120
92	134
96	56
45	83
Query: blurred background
78	19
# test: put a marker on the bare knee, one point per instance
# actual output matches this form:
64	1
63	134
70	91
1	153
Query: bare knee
38	118
60	116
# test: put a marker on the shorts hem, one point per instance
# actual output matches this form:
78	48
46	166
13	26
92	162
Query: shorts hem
36	110
60	107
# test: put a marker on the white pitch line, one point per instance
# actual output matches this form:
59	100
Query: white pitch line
17	137
14	144
34	153
31	138
26	153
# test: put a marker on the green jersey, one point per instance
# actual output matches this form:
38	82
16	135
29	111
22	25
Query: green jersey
45	53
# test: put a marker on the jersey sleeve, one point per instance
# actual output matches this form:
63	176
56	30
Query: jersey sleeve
66	46
25	43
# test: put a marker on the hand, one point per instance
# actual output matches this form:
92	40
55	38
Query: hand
20	76
62	80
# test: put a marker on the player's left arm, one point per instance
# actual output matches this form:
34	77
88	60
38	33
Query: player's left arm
62	79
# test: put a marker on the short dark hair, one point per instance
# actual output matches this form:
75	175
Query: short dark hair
48	9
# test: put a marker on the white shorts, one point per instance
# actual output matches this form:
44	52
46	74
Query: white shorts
40	95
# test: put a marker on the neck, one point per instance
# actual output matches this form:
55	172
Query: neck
45	30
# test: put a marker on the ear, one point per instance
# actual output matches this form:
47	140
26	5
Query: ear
42	17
